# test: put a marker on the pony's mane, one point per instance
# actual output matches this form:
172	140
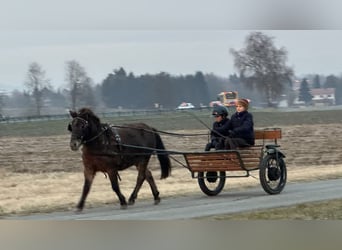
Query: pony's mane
89	115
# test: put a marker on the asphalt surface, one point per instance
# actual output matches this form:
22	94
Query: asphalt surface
201	205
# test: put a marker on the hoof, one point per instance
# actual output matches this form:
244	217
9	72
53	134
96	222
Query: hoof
123	206
131	202
78	210
157	201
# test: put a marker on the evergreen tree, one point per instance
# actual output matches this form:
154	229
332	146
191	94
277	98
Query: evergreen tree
126	90
331	81
338	91
316	82
304	92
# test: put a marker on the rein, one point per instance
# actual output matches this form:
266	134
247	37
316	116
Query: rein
105	128
158	131
96	136
199	120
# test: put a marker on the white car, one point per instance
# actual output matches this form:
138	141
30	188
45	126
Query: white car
185	105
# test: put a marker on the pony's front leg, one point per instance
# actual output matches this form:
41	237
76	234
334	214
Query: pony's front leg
88	180
113	176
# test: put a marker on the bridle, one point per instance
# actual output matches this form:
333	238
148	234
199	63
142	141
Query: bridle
85	125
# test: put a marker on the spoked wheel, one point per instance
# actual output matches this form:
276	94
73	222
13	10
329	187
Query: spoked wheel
273	174
211	183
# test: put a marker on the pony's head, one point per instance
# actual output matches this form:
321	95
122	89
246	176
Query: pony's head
82	127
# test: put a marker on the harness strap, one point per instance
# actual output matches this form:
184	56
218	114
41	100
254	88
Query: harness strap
96	136
117	139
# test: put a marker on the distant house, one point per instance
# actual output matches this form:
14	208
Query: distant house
323	96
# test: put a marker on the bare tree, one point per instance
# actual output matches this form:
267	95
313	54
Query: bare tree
81	92
263	66
36	82
88	94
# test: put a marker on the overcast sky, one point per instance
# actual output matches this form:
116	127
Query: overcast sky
150	36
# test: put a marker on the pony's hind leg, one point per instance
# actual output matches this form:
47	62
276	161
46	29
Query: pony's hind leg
144	173
153	186
113	176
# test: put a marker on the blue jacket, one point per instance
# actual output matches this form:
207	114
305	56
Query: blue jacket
242	126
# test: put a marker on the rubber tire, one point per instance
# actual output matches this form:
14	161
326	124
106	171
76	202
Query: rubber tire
221	180
264	178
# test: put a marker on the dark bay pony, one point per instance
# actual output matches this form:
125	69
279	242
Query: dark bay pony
110	149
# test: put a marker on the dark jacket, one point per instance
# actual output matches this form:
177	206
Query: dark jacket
219	129
218	134
242	126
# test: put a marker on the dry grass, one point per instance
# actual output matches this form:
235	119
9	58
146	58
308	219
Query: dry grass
45	192
41	174
324	210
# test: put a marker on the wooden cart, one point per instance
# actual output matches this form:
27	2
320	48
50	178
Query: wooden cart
213	167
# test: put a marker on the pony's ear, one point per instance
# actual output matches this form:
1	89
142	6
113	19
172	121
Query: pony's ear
72	113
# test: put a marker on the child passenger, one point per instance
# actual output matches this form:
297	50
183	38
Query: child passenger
219	130
240	127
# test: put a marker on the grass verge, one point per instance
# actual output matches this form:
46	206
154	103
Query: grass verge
324	210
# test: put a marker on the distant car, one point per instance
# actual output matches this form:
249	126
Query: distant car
185	105
215	104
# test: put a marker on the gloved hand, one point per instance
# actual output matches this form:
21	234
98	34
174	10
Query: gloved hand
231	133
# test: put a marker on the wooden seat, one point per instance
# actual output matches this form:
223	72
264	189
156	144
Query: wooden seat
241	159
267	134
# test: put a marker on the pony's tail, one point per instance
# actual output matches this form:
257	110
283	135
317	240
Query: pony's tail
163	158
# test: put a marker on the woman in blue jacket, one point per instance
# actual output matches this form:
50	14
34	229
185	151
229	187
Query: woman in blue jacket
240	127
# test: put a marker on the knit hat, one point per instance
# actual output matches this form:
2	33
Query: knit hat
243	102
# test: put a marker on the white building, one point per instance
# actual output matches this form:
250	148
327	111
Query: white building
323	96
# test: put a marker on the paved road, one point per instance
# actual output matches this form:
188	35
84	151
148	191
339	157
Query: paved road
202	205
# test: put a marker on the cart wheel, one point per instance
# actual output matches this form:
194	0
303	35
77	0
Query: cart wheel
211	183
273	174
